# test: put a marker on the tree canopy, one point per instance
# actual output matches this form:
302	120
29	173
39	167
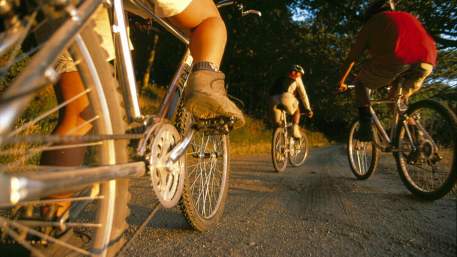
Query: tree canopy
316	34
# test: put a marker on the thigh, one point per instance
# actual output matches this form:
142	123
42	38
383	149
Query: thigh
374	75
416	77
290	102
276	112
186	13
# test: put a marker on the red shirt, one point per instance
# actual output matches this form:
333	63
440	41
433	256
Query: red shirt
395	37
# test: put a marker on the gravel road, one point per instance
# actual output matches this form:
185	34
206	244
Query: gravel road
318	209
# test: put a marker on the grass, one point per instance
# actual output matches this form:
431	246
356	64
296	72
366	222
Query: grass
253	138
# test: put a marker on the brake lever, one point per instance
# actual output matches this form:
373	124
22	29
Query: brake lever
255	12
338	92
240	7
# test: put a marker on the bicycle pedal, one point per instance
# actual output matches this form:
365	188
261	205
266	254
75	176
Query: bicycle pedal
219	124
140	129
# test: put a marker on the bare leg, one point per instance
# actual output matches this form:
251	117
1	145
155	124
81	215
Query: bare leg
208	32
296	117
205	96
71	122
295	127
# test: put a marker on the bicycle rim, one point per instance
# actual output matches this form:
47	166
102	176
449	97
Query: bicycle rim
207	176
279	153
429	170
299	151
363	156
97	213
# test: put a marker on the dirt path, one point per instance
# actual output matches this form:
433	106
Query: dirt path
315	210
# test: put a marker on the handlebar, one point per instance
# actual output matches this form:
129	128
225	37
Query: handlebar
239	6
338	92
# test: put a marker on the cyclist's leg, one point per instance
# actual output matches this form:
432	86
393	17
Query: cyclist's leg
290	102
415	80
275	111
295	124
205	96
71	122
373	75
73	118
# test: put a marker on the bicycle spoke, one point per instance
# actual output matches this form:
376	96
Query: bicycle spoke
47	147
51	201
44	236
21	241
49	112
35	223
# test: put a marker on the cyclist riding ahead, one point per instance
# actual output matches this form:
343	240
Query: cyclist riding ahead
396	42
283	93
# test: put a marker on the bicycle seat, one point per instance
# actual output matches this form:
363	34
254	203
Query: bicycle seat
414	70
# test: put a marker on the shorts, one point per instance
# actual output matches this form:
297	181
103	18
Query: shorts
163	8
169	8
374	75
288	101
102	27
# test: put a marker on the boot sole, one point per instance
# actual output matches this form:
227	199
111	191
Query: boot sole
199	105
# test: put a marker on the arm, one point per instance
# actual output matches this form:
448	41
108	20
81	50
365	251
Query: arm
356	51
304	97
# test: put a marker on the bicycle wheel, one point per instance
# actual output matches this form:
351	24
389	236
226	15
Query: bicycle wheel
363	156
279	153
299	151
427	167
207	175
96	220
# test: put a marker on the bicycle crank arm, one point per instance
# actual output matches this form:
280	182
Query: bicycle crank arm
181	147
36	185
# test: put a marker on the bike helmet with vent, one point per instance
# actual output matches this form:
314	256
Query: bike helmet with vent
298	68
376	6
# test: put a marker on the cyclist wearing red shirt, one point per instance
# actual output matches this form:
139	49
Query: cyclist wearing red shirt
396	42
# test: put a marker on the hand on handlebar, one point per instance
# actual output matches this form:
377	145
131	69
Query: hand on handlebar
342	87
309	113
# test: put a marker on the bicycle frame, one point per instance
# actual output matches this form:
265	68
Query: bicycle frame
286	125
16	189
387	138
394	126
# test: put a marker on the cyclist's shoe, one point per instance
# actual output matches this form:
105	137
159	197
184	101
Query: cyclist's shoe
206	97
364	133
296	131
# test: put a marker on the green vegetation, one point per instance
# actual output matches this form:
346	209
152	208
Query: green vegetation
318	35
255	138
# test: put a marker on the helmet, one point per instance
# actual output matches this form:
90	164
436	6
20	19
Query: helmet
376	6
298	68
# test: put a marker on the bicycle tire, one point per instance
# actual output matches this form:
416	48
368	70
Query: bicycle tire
200	216
357	153
111	210
279	154
297	159
410	163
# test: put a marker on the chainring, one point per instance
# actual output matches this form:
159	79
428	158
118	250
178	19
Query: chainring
167	177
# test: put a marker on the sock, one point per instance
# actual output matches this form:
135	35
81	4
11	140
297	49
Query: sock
364	114
205	66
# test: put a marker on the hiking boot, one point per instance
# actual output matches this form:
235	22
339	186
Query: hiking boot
364	133
206	98
296	131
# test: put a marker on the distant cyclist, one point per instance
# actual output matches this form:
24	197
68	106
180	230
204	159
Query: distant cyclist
396	42
284	92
